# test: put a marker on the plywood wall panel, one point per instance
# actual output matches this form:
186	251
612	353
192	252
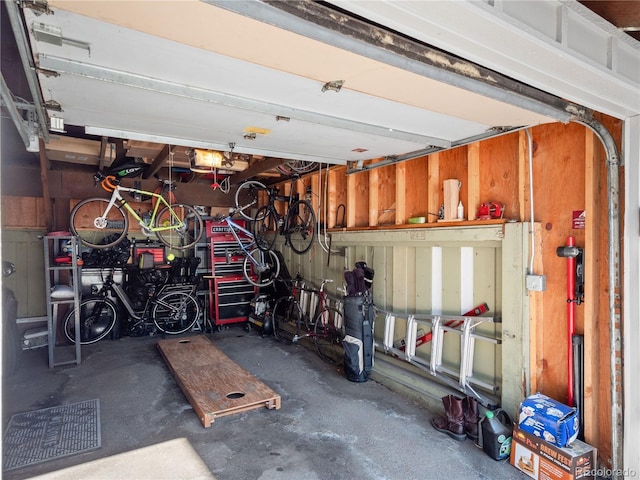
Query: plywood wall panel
22	212
358	200
337	196
453	165
559	179
382	196
499	173
412	188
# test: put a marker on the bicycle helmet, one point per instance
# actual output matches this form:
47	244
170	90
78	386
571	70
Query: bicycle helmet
130	170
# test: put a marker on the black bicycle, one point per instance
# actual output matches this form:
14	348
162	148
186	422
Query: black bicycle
171	309
298	225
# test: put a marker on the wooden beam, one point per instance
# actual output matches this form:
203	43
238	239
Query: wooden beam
78	184
101	155
44	179
593	328
433	188
472	202
158	162
256	169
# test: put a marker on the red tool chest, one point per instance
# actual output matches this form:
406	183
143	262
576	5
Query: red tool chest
230	293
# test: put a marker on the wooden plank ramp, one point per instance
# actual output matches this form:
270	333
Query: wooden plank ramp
213	383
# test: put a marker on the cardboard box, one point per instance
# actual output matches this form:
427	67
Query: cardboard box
549	419
544	461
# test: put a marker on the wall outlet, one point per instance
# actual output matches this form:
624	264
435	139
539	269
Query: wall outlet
536	283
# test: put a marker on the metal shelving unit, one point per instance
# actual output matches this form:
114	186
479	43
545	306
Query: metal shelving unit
57	273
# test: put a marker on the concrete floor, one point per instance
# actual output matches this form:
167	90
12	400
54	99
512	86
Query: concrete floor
327	428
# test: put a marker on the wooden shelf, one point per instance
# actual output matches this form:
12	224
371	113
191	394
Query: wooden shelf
463	223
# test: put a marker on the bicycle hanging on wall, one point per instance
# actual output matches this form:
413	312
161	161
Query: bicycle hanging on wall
298	225
103	223
260	267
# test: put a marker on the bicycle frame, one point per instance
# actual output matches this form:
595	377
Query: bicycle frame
116	196
234	228
288	199
140	315
313	308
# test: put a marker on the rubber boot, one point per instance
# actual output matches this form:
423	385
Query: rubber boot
453	422
471	417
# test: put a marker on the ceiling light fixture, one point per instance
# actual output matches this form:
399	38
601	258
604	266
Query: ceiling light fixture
335	85
205	161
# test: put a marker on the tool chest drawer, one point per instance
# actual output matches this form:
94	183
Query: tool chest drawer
223	268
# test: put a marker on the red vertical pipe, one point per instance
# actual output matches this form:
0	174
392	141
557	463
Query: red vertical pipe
571	310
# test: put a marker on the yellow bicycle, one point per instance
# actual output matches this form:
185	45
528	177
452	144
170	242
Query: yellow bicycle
102	223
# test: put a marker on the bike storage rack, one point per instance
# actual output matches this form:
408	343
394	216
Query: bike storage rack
462	378
62	270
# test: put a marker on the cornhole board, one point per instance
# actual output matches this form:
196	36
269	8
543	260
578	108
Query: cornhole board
213	383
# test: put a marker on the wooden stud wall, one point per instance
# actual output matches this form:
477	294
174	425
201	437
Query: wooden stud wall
569	175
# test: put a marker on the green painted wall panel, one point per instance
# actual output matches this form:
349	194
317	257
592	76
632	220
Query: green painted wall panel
25	249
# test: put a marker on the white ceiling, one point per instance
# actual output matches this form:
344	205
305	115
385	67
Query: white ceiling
194	74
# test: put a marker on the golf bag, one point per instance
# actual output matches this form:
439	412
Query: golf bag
358	341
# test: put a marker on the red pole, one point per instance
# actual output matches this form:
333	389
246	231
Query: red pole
571	310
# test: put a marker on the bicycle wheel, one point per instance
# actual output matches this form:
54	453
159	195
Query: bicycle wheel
92	229
98	315
261	268
185	236
302	166
328	333
287	317
175	312
265	228
247	197
300	226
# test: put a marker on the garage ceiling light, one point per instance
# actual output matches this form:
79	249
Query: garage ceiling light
204	161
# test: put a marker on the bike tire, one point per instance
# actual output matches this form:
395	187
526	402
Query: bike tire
247	196
179	238
265	228
328	333
86	224
267	262
287	318
174	313
98	315
300	226
302	166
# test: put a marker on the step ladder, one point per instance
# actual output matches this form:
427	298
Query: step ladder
461	379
